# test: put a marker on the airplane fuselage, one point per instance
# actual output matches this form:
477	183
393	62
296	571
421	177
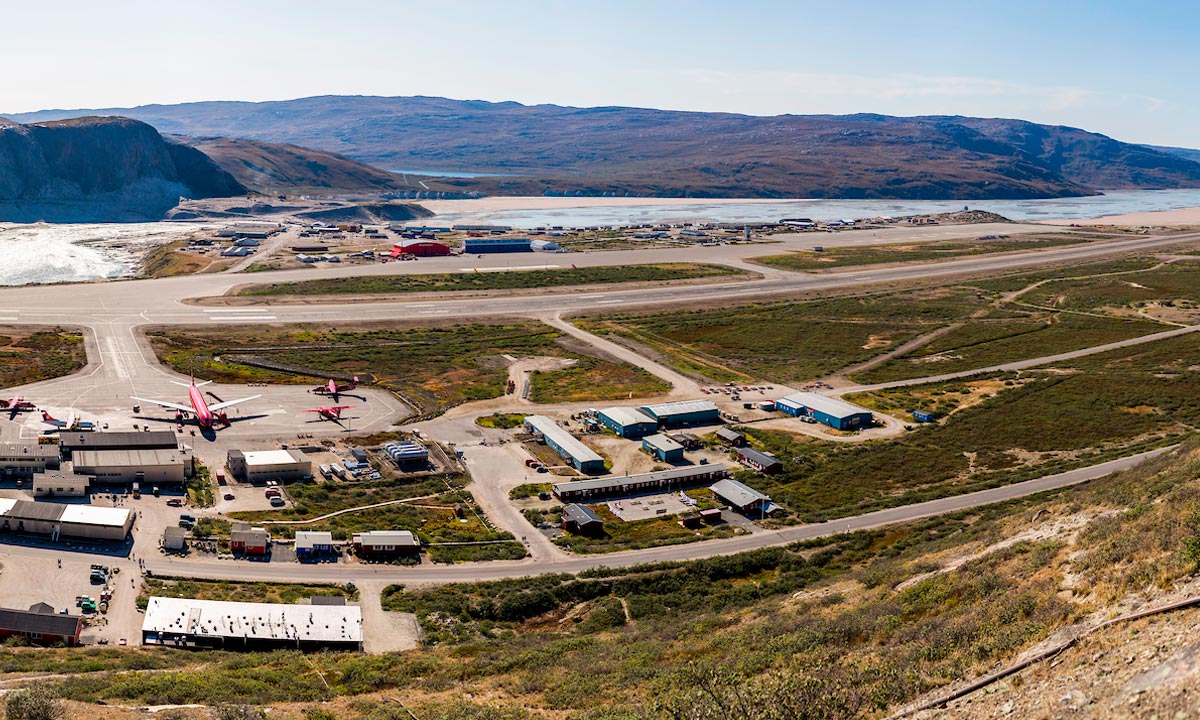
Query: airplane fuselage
204	416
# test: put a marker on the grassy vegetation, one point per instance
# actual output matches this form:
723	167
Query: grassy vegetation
501	421
431	515
514	280
1017	281
172	259
233	591
987	343
200	487
529	490
594	379
432	366
1075	413
29	354
653	532
842	627
1177	283
916	252
792	341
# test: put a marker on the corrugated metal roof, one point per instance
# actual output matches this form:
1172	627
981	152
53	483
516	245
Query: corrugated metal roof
26	450
830	406
760	458
111	440
617	481
662	442
628	416
31	510
682	407
565	440
728	434
131	457
581	514
387	537
312	538
737	493
27	621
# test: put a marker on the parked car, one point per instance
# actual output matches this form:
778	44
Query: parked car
175	502
277	501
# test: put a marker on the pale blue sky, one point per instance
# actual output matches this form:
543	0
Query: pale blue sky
1127	69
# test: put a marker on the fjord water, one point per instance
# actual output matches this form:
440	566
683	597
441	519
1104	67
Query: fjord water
49	253
1077	208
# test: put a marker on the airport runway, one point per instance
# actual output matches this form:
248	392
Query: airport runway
121	364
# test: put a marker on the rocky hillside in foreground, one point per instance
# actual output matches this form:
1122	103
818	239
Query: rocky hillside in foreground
99	170
620	150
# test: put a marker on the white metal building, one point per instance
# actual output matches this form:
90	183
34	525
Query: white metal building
185	622
86	522
59	484
262	465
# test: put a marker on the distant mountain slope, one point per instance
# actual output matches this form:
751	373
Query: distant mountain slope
271	167
1186	153
553	149
100	169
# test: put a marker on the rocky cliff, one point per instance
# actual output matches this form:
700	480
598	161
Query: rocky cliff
100	170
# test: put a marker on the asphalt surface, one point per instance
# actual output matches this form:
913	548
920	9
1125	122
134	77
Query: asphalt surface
120	364
428	574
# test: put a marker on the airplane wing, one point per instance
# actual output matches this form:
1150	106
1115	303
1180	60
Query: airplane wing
164	403
230	403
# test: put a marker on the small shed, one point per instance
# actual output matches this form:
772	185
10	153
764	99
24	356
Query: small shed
760	461
730	437
311	544
174	539
581	519
924	416
663	448
742	497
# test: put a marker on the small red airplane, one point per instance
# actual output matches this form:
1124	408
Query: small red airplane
206	415
330	413
332	388
17	404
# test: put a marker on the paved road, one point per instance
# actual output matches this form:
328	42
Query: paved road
428	574
1021	364
115	314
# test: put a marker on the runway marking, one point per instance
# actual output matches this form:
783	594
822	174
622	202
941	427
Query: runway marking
238	310
610	302
240	318
508	269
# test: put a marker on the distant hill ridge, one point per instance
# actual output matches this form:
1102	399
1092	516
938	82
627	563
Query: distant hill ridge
100	169
620	150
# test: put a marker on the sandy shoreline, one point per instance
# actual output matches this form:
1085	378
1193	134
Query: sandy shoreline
500	204
1180	216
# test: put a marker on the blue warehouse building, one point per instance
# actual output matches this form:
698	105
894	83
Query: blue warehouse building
627	422
835	413
580	456
681	414
496	245
663	448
